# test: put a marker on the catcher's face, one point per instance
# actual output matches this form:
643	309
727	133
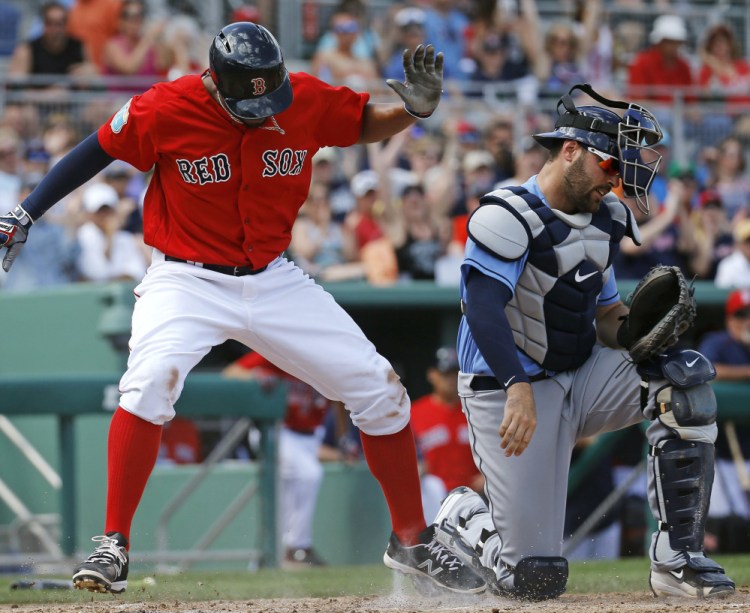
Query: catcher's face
590	177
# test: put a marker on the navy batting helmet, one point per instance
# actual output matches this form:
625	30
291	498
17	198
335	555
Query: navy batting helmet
623	138
247	66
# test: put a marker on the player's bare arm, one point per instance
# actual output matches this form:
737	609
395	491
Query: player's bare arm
420	92
608	321
519	421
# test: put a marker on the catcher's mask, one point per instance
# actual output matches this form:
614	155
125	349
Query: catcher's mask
623	138
247	66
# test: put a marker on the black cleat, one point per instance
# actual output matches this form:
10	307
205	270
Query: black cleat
431	561
105	570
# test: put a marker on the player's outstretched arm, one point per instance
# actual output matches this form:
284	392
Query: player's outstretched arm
83	162
420	93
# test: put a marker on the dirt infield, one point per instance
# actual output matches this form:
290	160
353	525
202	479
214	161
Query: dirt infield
641	602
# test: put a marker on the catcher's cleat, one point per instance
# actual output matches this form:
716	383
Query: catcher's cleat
106	569
430	561
699	578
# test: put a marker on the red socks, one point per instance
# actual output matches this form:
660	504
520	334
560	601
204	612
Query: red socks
393	462
132	449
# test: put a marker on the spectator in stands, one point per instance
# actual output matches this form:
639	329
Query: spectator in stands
10	18
53	52
368	222
560	65
137	50
366	43
445	28
94	22
408	33
422	239
660	71
713	235
185	41
667	235
724	72
321	246
442	435
107	252
327	170
129	185
341	441
10	166
594	35
727	164
498	140
529	159
734	269
339	65
729	351
300	471
51	261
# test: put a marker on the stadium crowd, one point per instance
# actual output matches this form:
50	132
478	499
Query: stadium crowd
396	212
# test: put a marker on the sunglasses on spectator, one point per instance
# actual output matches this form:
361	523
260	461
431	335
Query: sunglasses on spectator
55	22
346	27
608	163
741	314
132	16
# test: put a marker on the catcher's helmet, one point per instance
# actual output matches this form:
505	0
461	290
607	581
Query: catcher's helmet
621	137
247	66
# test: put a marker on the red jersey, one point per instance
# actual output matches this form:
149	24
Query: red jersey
223	193
305	407
648	68
442	436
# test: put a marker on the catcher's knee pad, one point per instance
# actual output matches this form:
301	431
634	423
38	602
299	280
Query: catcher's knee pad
683	474
687	404
539	578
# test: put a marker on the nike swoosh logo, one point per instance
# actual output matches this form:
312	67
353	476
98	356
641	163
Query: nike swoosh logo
507	383
691	364
677	573
579	277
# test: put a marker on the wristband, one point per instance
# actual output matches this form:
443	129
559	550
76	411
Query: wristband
414	113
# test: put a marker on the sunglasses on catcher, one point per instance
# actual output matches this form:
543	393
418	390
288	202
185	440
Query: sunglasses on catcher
608	163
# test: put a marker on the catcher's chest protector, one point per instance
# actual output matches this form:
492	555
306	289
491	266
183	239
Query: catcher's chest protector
553	308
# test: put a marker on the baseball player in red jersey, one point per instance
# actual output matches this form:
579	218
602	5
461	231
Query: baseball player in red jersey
300	470
442	435
231	155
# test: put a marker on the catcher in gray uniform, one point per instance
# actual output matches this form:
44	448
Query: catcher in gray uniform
549	354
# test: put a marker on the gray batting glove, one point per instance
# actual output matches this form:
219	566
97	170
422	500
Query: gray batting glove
423	81
14	228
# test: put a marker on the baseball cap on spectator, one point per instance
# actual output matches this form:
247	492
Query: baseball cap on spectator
468	133
410	16
738	300
364	182
117	169
495	42
446	359
742	231
324	154
710	198
98	196
668	27
474	160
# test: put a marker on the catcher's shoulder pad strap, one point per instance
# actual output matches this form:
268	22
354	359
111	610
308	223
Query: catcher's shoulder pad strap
499	229
687	367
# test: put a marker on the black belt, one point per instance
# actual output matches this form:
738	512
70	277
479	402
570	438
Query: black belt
234	271
485	383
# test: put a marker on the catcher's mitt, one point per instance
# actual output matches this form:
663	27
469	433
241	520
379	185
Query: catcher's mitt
662	308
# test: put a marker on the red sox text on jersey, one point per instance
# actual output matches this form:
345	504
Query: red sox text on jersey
223	193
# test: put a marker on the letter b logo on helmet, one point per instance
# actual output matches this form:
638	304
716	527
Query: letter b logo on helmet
247	66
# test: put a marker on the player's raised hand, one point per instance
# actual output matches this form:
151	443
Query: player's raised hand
423	81
14	228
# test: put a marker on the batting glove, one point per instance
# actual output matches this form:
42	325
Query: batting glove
423	81
14	229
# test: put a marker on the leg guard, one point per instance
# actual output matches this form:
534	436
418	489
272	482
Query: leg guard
683	475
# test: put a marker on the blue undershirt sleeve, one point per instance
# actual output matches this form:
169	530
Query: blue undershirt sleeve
485	300
83	161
